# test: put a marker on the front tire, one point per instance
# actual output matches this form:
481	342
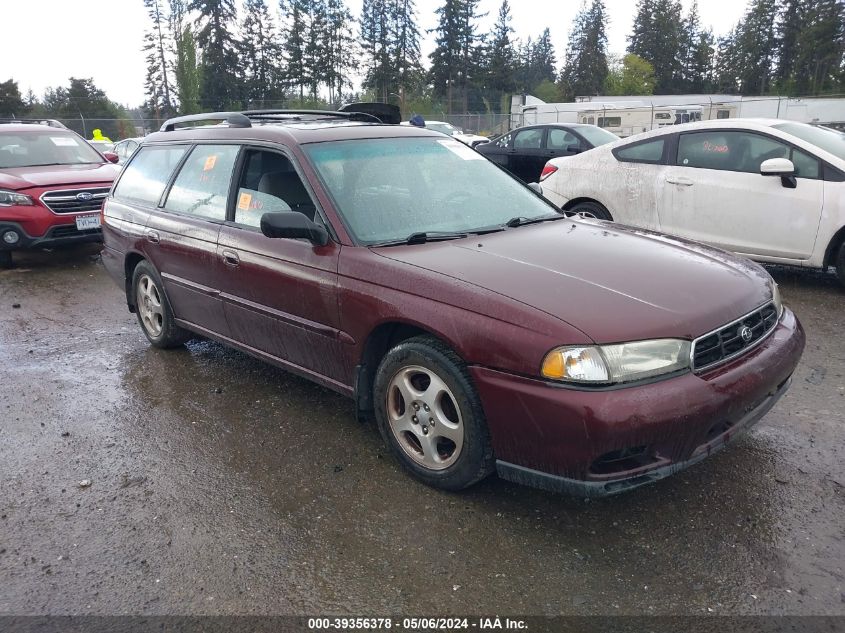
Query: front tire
153	309
591	209
430	415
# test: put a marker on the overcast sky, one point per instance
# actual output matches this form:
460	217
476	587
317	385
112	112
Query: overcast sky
47	41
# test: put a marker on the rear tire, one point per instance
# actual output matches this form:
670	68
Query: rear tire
153	309
5	259
591	209
840	264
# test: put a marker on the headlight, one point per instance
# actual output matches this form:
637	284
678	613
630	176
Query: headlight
776	298
624	362
9	198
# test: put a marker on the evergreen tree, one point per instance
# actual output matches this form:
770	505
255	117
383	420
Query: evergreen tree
219	85
11	103
377	40
791	23
259	55
407	46
294	34
658	36
501	59
315	56
585	69
819	58
756	46
696	53
454	59
157	84
341	49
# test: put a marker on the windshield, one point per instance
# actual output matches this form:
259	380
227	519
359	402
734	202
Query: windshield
596	136
828	139
47	147
445	128
388	189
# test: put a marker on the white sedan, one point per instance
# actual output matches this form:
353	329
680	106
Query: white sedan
771	190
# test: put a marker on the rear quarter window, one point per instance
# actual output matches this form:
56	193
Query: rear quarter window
144	179
642	152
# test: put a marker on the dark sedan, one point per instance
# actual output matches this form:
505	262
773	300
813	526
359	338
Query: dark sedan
482	329
524	151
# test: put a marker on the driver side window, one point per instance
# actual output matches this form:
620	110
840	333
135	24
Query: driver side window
269	184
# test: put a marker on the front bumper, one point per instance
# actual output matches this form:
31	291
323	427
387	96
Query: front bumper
56	235
600	442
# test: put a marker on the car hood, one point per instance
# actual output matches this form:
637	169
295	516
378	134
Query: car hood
17	178
612	283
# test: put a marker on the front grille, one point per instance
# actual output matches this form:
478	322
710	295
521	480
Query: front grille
729	342
68	201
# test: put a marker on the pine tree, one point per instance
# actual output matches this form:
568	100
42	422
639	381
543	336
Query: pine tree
756	46
294	35
407	46
11	103
377	40
501	58
657	36
315	56
341	49
585	69
454	59
157	84
696	53
259	54
219	86
819	59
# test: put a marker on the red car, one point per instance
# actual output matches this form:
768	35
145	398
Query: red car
481	328
52	187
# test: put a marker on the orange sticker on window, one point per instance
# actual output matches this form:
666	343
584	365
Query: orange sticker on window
243	201
209	162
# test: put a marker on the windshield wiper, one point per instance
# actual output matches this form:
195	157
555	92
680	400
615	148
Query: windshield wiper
424	236
521	220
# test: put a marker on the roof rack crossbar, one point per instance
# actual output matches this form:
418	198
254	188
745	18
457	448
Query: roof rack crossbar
234	119
47	122
351	116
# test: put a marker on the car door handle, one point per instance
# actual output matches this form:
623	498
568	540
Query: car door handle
230	258
153	236
679	180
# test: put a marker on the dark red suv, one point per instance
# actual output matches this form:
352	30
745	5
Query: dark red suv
482	329
52	187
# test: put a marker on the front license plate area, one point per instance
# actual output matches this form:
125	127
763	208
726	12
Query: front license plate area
87	222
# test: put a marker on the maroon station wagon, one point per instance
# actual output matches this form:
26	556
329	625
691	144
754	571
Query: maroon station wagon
480	327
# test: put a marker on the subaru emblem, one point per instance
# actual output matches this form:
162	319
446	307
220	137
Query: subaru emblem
84	196
746	333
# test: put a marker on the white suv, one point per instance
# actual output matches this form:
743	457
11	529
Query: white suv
772	190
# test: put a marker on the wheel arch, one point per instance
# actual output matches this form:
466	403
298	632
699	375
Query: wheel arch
569	205
381	339
130	262
833	248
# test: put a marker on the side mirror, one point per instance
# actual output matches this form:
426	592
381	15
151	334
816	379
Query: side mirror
293	225
782	167
535	186
111	157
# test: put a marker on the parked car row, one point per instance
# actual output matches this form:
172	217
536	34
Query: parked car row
476	323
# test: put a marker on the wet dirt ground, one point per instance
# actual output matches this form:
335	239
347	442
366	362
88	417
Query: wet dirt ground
216	484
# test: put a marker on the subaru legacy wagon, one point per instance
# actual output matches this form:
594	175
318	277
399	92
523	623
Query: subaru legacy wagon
482	329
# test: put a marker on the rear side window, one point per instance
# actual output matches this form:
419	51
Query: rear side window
144	179
648	152
528	139
561	139
202	186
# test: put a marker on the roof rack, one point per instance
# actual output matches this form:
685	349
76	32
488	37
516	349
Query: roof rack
47	122
244	119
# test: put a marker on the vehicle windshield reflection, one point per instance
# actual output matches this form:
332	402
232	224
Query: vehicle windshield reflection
388	189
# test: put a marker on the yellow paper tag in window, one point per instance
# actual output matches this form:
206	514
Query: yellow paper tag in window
209	162
243	201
